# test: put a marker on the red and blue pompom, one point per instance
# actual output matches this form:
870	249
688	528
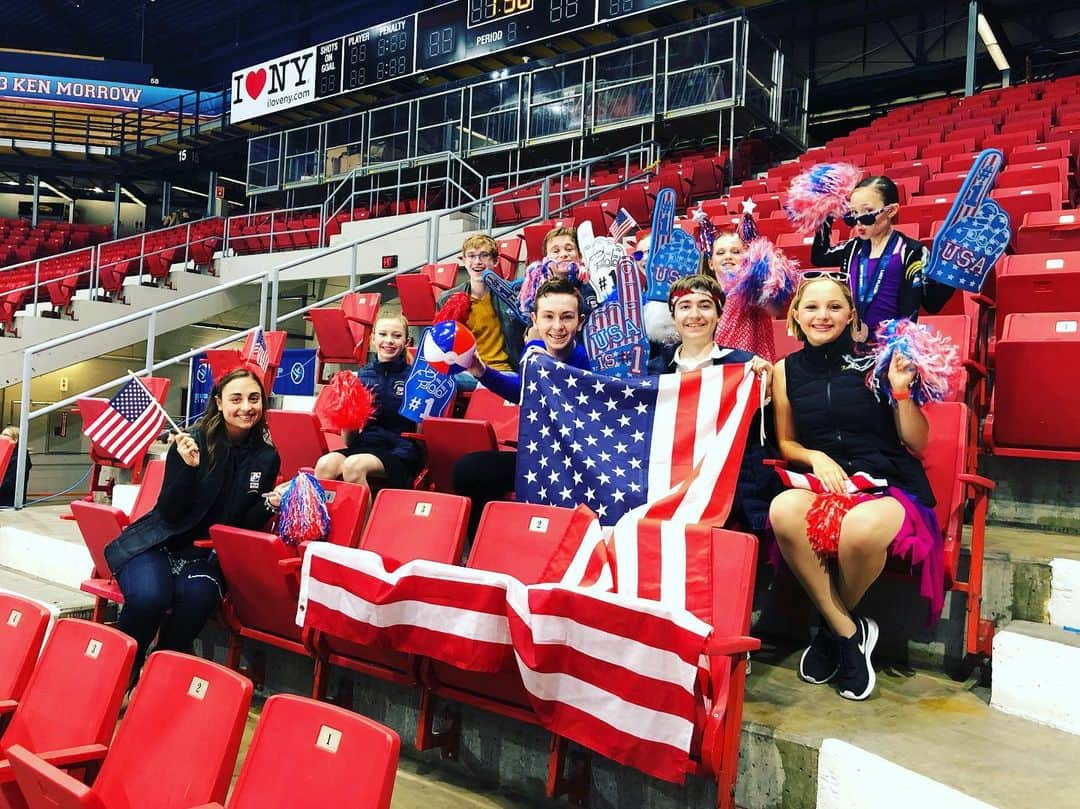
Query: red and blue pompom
705	234
457	307
766	278
935	357
304	516
540	271
345	403
449	347
822	191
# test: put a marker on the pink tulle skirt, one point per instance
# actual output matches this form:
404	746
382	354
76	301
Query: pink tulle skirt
918	542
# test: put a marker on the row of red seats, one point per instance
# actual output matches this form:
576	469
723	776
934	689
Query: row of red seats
62	710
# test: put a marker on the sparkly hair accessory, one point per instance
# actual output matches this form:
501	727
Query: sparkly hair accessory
705	233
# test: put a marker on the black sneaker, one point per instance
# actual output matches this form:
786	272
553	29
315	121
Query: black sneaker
821	659
856	679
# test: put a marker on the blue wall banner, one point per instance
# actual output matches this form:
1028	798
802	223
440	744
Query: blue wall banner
199	386
112	94
296	374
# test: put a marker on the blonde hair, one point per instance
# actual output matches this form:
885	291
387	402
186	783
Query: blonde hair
555	233
400	318
12	432
793	327
480	241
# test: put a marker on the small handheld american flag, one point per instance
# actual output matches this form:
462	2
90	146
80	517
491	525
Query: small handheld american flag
622	224
128	424
260	353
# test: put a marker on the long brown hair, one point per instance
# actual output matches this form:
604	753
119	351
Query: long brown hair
212	422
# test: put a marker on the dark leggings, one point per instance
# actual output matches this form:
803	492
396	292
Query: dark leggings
483	477
151	590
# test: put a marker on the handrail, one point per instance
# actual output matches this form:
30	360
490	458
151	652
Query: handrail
270	280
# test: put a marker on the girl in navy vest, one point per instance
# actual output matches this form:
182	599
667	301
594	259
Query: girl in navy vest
379	450
884	267
829	422
217	473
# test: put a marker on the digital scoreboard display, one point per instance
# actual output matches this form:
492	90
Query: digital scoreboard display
467	29
328	69
608	10
380	53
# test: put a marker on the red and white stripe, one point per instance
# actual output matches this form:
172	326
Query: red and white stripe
126	440
859	482
613	673
699	433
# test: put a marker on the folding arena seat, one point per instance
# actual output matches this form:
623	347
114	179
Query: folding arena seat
1045	231
637	202
509	257
223	360
417	297
22	631
534	236
336	758
1025	175
100	524
404	525
67	712
961	330
1037	282
299	439
958	162
90	408
944	183
1006	141
335	344
598	214
263	573
7	455
206	705
785	343
926	210
1019	201
796	246
923	168
490	423
1043	152
703	177
1033	411
442	276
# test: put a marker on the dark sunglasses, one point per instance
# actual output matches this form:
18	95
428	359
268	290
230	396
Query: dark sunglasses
867	219
832	275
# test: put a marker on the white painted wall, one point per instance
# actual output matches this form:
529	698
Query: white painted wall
1065	593
1036	672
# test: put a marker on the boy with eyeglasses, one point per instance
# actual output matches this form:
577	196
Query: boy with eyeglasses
498	332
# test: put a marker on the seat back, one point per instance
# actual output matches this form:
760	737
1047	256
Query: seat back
74	693
958	328
484	405
944	460
417	298
335	340
347	504
361	310
298	437
150	488
447	440
406	524
99	525
336	758
519	539
734	568
7	454
177	745
509	256
22	629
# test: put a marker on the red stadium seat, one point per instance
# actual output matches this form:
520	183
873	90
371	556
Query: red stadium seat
534	236
960	329
944	183
1046	231
1033	411
334	341
22	630
224	360
785	342
264	573
299	439
417	297
7	454
404	525
947	149
509	257
67	713
335	758
1037	282
443	276
206	706
797	247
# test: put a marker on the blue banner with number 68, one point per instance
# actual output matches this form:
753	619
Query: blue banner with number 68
427	392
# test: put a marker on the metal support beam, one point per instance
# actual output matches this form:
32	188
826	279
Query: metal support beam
166	198
116	210
36	200
972	38
211	194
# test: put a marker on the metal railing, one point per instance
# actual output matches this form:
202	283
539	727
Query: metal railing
270	294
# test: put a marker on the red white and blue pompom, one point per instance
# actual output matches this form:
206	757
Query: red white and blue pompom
935	357
822	191
457	307
766	278
304	516
540	271
345	403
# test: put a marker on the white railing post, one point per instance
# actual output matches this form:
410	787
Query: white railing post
151	338
263	285
433	238
187	245
24	435
275	286
545	197
354	255
37	282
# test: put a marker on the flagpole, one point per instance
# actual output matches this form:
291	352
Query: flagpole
153	399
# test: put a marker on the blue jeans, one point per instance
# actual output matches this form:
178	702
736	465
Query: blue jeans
173	606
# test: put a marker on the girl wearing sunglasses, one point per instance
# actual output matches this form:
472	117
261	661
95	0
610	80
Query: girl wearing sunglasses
884	267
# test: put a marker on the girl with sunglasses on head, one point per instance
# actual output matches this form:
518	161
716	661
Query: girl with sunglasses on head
884	267
836	542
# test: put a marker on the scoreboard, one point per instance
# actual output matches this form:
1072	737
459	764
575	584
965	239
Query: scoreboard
455	31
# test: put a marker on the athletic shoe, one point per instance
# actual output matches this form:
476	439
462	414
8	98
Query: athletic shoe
856	679
821	659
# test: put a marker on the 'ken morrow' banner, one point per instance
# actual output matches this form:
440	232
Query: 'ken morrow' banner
97	93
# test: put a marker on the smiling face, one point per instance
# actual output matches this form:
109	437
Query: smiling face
241	405
388	338
696	316
479	254
562	250
727	252
868	200
823	311
557	319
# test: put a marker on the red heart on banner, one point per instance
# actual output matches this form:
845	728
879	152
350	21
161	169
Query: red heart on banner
255	81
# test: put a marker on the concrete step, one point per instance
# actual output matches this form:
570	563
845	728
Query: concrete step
1036	674
64	602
